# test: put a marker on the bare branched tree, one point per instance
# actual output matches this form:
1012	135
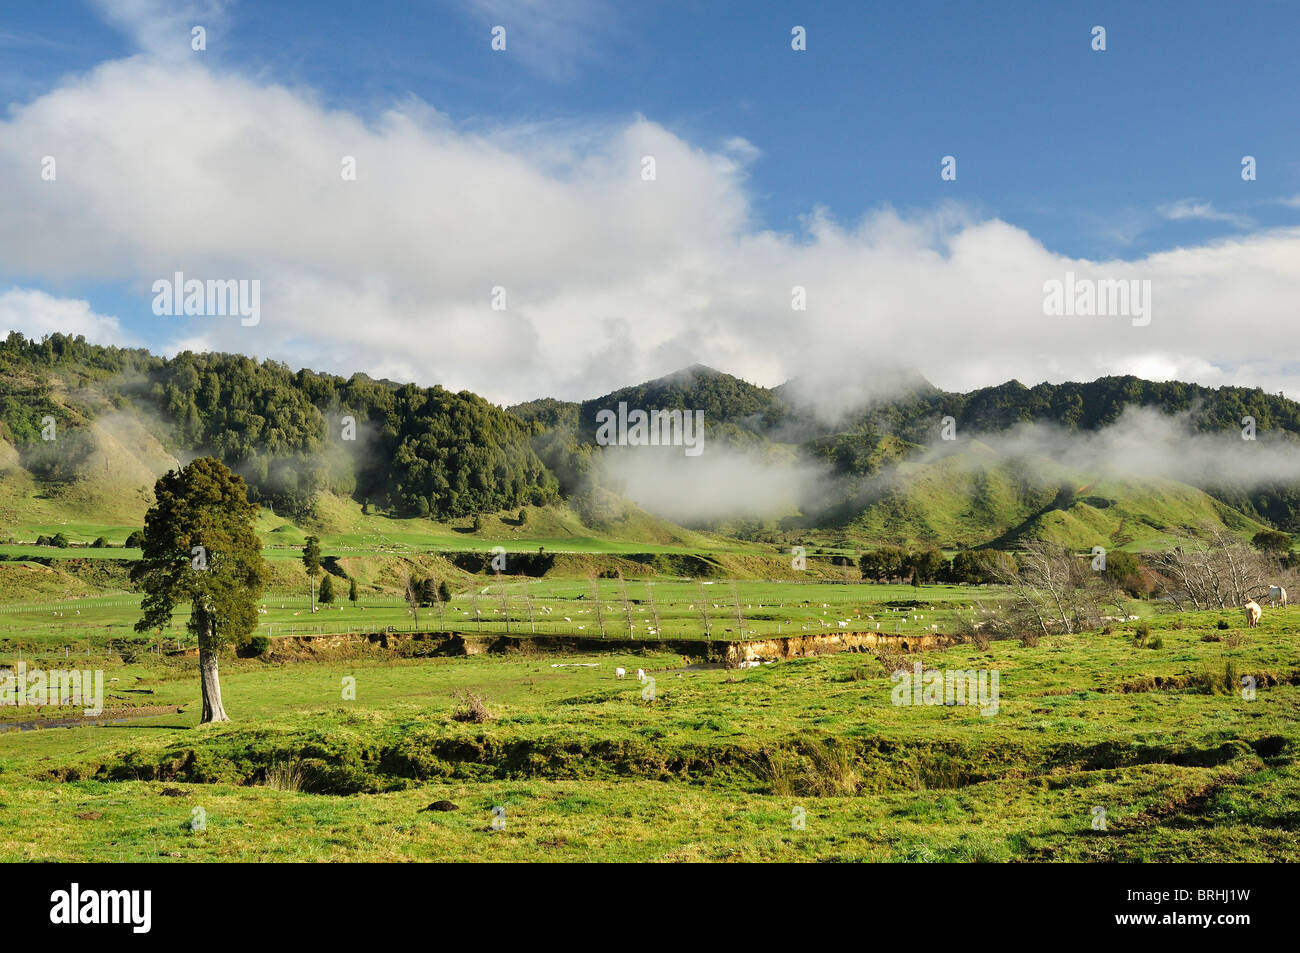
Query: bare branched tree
1054	589
411	587
1213	570
595	599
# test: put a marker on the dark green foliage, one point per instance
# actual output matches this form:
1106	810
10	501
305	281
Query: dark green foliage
326	590
135	540
1125	570
456	454
311	555
99	543
1272	541
723	398
926	565
352	590
419	450
201	506
59	540
979	566
884	564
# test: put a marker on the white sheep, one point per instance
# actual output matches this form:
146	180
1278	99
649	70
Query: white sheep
620	672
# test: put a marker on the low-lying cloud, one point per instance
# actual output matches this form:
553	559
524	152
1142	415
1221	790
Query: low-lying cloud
166	163
1143	444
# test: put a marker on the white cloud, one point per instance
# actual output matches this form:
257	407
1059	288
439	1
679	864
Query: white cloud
37	314
1194	210
165	166
551	37
162	27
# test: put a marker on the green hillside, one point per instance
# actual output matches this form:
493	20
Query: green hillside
383	465
978	498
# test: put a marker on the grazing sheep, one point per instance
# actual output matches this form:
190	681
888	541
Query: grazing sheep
1276	594
620	672
640	675
1253	612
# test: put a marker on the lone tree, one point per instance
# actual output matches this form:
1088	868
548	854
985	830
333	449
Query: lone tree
200	547
352	590
311	559
327	590
1272	541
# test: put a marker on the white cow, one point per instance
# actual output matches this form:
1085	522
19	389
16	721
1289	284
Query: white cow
1253	612
1277	595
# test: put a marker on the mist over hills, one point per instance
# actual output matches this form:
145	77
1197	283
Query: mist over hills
888	457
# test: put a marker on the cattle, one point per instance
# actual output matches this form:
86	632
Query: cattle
1253	612
1277	595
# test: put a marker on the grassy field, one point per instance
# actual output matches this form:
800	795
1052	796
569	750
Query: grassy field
802	759
668	608
718	765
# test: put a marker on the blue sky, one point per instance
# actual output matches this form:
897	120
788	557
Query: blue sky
1105	156
1082	147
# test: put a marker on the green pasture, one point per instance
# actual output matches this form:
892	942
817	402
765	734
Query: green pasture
714	765
653	609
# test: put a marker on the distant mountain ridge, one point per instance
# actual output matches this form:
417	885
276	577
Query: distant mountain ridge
123	415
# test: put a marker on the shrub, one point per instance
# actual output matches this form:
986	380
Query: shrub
1220	681
59	540
1140	636
135	540
284	776
475	709
1222	624
99	543
1156	643
970	630
259	644
859	673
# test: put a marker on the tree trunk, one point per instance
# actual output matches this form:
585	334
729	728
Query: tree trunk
213	710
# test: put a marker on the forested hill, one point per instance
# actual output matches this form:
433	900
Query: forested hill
426	450
861	441
290	434
913	410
